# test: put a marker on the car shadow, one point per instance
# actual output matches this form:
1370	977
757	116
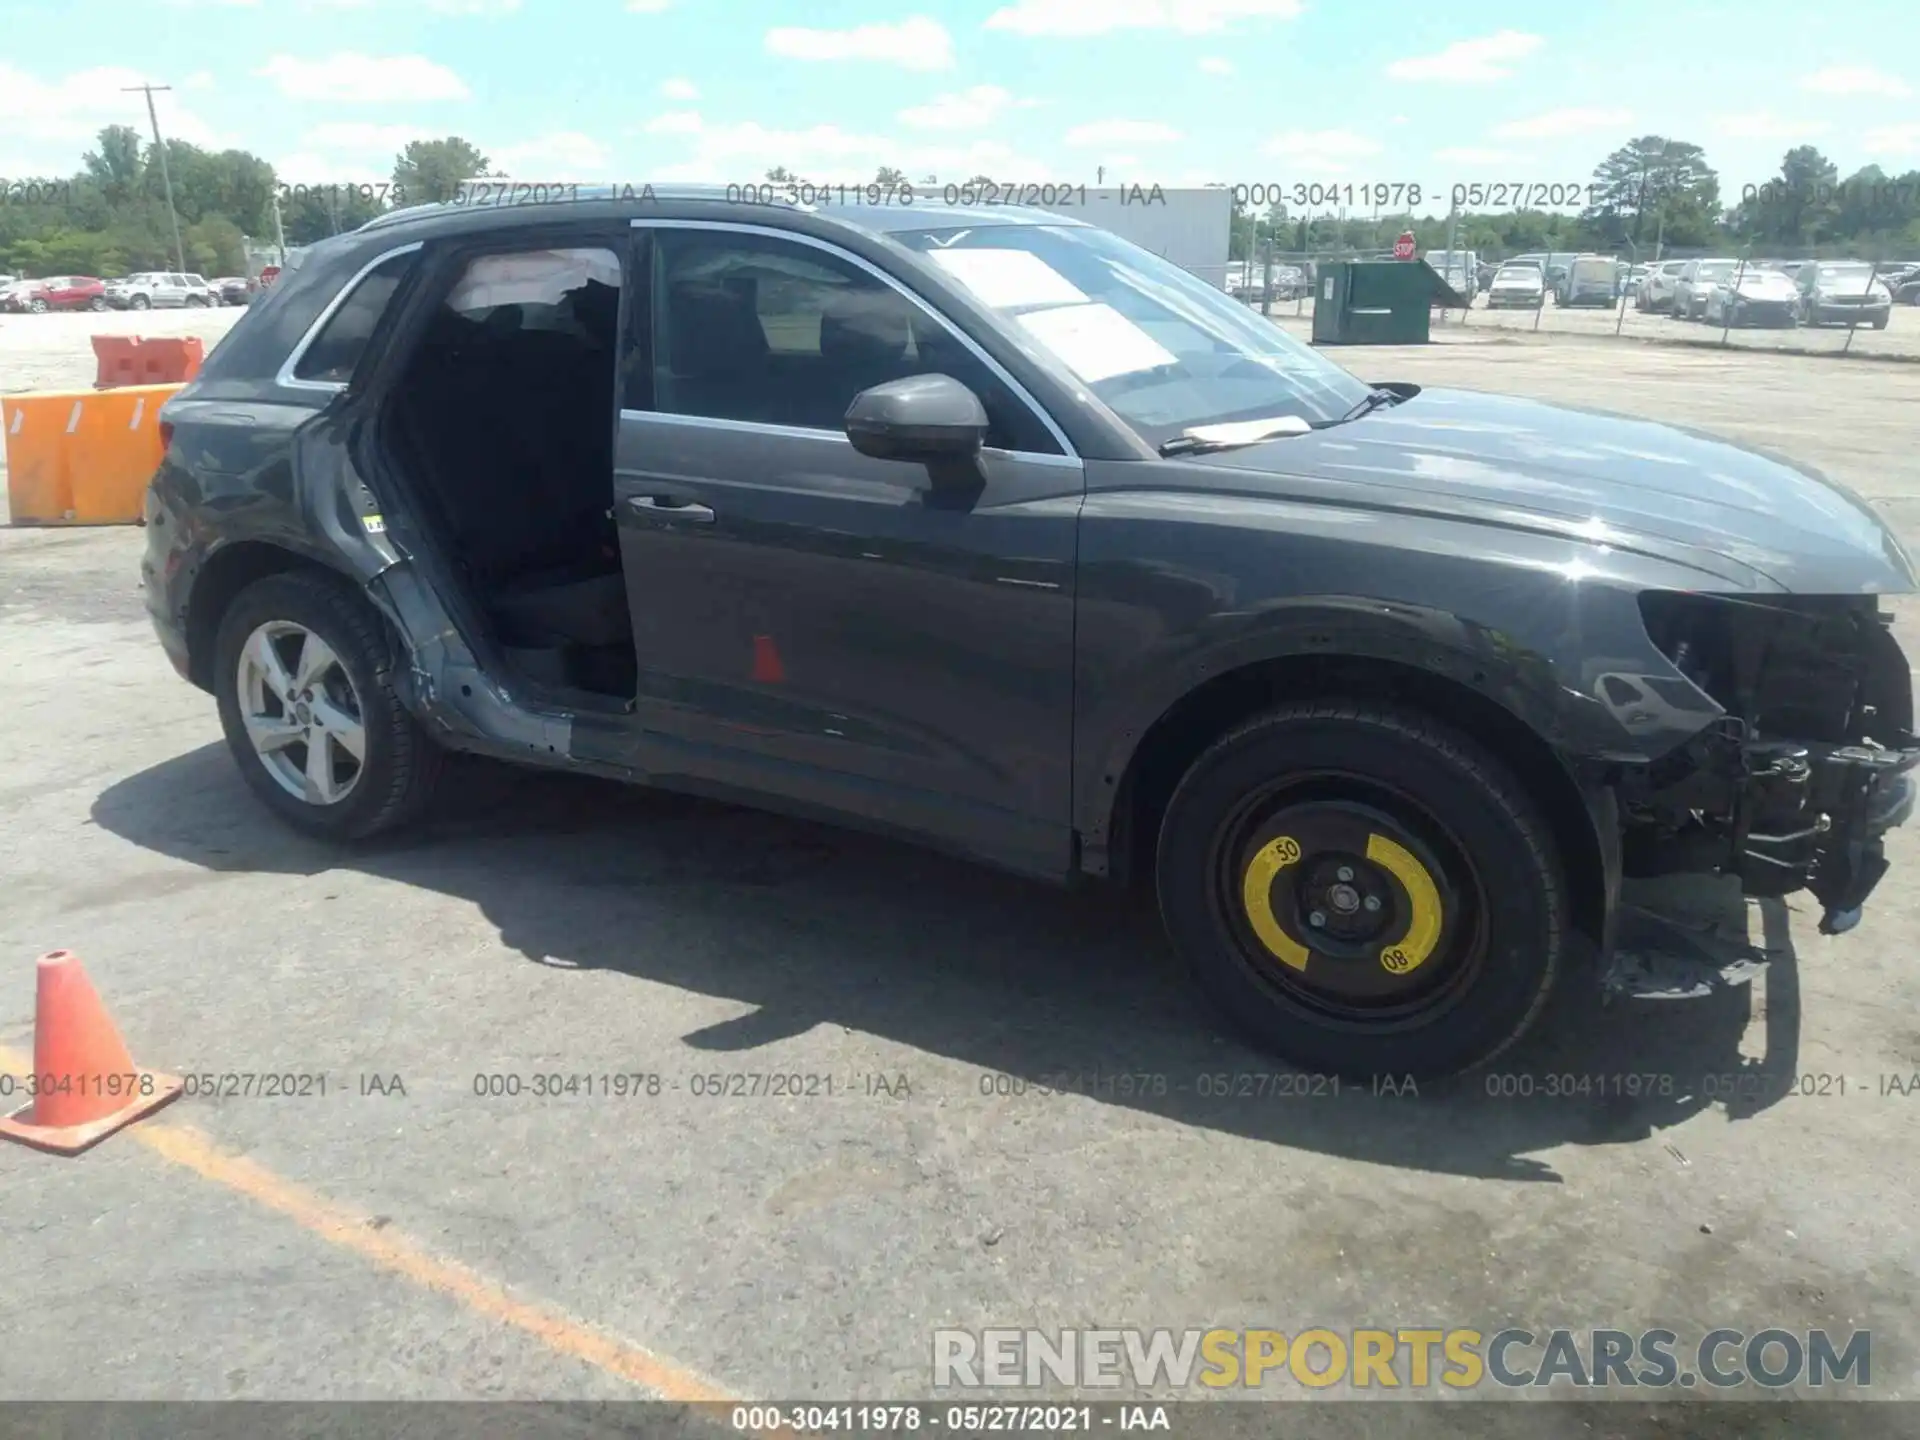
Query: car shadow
814	925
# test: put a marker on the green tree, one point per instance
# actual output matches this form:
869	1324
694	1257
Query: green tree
780	175
431	170
1654	185
890	177
115	168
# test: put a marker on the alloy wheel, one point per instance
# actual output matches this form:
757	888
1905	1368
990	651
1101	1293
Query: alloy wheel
301	712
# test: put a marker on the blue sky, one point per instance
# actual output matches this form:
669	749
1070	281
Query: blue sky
1167	91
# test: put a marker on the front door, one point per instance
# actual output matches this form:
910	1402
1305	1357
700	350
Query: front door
815	623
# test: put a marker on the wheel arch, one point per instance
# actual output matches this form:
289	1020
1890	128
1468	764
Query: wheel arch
1171	744
223	575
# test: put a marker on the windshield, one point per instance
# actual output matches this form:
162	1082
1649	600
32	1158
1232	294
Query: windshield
1528	273
1845	272
1163	349
1717	269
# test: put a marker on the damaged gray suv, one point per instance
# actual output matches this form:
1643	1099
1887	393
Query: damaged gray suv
984	528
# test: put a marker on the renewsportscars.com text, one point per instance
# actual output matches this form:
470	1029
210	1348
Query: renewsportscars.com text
1399	1358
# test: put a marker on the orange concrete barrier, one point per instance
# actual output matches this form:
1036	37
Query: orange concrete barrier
82	458
138	360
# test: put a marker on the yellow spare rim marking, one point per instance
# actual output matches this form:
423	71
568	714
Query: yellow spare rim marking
1423	931
1256	897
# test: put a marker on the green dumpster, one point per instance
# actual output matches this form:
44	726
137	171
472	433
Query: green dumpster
1365	302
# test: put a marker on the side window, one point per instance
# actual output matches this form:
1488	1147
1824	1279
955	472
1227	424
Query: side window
336	349
759	329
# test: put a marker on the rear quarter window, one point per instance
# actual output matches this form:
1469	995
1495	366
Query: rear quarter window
336	349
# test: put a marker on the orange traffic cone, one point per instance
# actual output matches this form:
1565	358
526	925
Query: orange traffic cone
85	1084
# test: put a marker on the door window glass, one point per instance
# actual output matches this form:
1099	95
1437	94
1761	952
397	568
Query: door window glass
759	329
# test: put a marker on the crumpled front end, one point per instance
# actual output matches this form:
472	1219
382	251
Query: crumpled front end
1810	762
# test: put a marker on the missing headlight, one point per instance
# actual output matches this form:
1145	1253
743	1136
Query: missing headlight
1821	668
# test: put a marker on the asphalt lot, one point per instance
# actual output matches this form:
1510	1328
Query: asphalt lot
438	1244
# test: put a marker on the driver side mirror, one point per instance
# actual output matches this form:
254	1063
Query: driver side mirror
933	419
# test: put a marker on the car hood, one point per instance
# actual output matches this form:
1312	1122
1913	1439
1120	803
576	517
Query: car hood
1610	479
1848	287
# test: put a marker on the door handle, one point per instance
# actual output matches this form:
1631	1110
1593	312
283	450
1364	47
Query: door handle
669	508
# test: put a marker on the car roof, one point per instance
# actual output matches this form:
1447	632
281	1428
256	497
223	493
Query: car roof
718	202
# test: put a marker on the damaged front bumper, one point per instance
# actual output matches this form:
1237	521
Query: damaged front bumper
1805	759
1848	798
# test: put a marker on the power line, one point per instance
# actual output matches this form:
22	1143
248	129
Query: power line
179	252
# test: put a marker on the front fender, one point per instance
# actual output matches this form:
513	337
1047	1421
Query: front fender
1178	590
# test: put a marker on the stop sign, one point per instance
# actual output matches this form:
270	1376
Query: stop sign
1403	247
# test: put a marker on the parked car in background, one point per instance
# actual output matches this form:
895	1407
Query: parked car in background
232	289
1843	292
1589	280
1908	291
12	290
61	292
1422	665
1517	285
1655	291
160	290
1459	268
1695	282
1753	296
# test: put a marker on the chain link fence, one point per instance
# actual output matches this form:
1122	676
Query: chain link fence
1852	304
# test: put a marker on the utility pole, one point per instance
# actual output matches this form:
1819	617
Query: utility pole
279	231
179	252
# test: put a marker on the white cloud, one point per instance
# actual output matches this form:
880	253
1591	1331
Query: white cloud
1470	62
675	122
349	77
962	110
679	88
307	168
362	135
1765	125
648	7
198	80
474	7
1855	80
1099	17
45	125
1216	65
1573	121
1323	152
1122	132
1892	140
559	155
1475	155
737	153
915	43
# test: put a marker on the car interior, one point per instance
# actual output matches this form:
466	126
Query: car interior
503	421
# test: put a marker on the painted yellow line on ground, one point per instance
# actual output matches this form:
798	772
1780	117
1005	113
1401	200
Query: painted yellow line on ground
394	1252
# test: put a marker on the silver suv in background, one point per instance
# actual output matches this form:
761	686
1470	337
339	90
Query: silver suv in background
1695	283
160	290
1655	290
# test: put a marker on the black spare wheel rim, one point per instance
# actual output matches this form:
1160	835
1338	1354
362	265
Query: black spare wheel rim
1348	899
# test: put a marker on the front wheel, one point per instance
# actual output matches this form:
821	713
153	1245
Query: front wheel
98	302
38	307
1363	891
140	302
304	676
